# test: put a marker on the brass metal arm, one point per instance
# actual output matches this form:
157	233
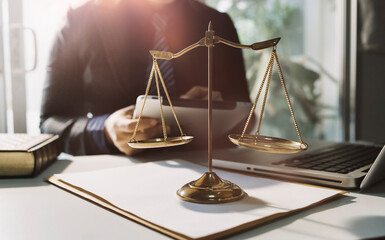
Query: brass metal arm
255	46
202	42
169	55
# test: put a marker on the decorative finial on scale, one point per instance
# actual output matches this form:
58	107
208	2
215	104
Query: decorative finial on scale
210	28
209	39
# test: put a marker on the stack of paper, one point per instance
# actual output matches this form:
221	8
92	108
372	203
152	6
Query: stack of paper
147	193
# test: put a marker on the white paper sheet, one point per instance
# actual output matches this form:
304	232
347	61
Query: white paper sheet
149	191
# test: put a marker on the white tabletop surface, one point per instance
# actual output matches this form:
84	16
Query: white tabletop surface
34	209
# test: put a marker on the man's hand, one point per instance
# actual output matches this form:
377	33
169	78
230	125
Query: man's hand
201	93
119	128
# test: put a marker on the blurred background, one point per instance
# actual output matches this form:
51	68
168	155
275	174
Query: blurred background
310	52
322	53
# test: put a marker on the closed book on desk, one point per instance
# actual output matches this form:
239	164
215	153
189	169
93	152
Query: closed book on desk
24	155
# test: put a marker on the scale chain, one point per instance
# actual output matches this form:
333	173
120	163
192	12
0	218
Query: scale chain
168	98
287	96
144	102
160	100
258	94
266	91
268	72
155	70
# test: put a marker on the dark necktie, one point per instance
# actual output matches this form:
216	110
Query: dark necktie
165	66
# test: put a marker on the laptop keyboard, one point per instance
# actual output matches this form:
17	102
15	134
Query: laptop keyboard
342	158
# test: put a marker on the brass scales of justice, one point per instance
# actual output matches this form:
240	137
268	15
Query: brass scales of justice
210	188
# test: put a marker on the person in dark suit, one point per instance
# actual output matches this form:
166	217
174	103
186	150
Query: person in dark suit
99	65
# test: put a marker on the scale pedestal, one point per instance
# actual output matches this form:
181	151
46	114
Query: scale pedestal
210	188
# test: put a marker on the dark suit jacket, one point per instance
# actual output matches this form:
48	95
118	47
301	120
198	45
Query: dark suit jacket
100	58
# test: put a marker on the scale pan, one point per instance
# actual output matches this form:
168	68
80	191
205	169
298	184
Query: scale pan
267	144
160	142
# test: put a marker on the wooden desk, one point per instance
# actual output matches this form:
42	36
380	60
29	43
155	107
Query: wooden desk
34	209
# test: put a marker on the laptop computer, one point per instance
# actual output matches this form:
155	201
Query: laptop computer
337	165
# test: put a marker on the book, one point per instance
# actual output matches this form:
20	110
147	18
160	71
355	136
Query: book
25	155
146	193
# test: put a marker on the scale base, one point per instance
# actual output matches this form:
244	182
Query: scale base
210	188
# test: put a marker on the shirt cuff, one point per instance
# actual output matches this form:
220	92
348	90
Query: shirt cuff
96	142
